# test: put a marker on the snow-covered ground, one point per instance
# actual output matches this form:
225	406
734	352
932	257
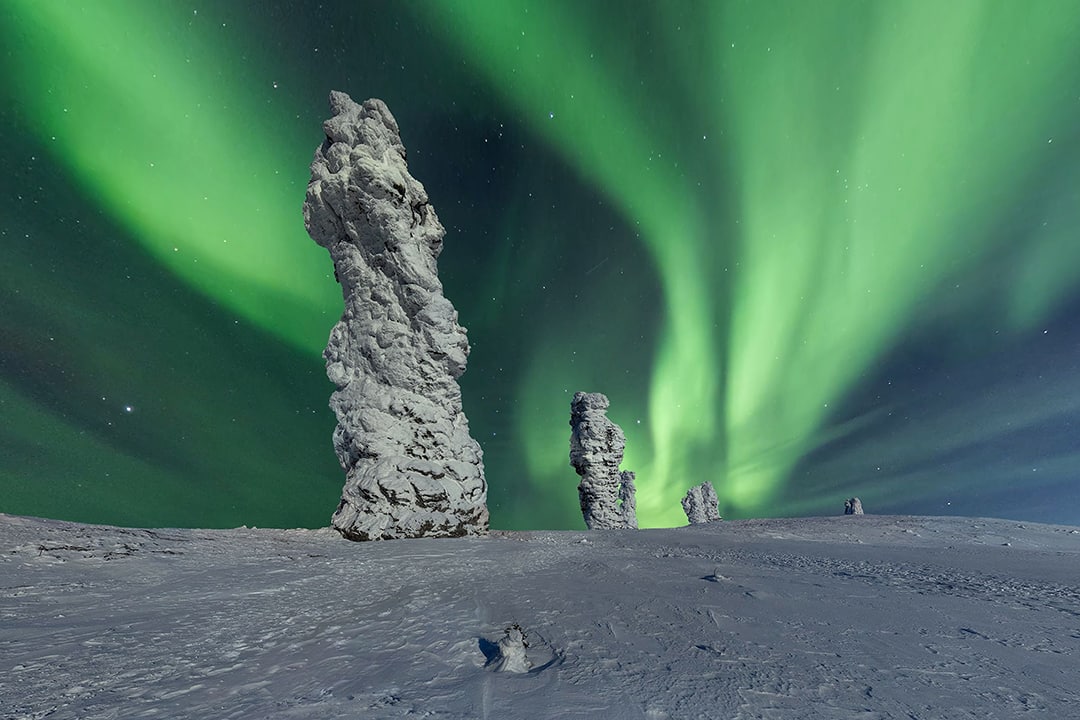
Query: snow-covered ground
846	617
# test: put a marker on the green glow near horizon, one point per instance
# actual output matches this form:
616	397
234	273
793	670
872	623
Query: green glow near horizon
855	202
181	147
546	70
811	181
835	272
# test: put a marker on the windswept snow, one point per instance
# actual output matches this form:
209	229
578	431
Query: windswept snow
847	617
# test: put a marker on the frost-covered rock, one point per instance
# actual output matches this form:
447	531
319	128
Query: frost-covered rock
853	506
512	656
700	504
717	575
627	499
411	467
596	450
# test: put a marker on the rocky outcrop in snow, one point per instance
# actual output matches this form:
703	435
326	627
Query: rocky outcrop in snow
411	467
596	450
853	506
512	656
700	504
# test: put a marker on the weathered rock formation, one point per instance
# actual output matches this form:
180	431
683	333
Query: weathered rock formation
627	499
596	450
853	506
512	652
411	467
700	504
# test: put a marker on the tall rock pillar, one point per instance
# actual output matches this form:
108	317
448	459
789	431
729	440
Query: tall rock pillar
596	450
411	467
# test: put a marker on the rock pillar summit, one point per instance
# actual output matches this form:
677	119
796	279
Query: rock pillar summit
700	504
411	467
596	451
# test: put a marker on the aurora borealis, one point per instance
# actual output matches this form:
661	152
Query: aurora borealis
809	250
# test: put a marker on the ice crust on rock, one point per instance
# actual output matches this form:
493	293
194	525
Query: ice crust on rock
853	506
596	450
512	654
700	504
627	500
411	467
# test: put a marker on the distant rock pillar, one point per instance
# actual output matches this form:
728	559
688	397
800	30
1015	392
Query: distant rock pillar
596	450
853	506
411	467
627	499
700	504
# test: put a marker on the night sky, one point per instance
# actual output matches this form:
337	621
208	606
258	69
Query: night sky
808	249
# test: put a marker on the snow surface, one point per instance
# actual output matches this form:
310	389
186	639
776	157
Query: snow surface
846	617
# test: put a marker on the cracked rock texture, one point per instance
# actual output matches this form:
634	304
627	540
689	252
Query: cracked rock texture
512	652
627	500
411	467
700	504
853	506
596	450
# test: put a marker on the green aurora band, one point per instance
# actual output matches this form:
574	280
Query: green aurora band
804	200
851	185
173	138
